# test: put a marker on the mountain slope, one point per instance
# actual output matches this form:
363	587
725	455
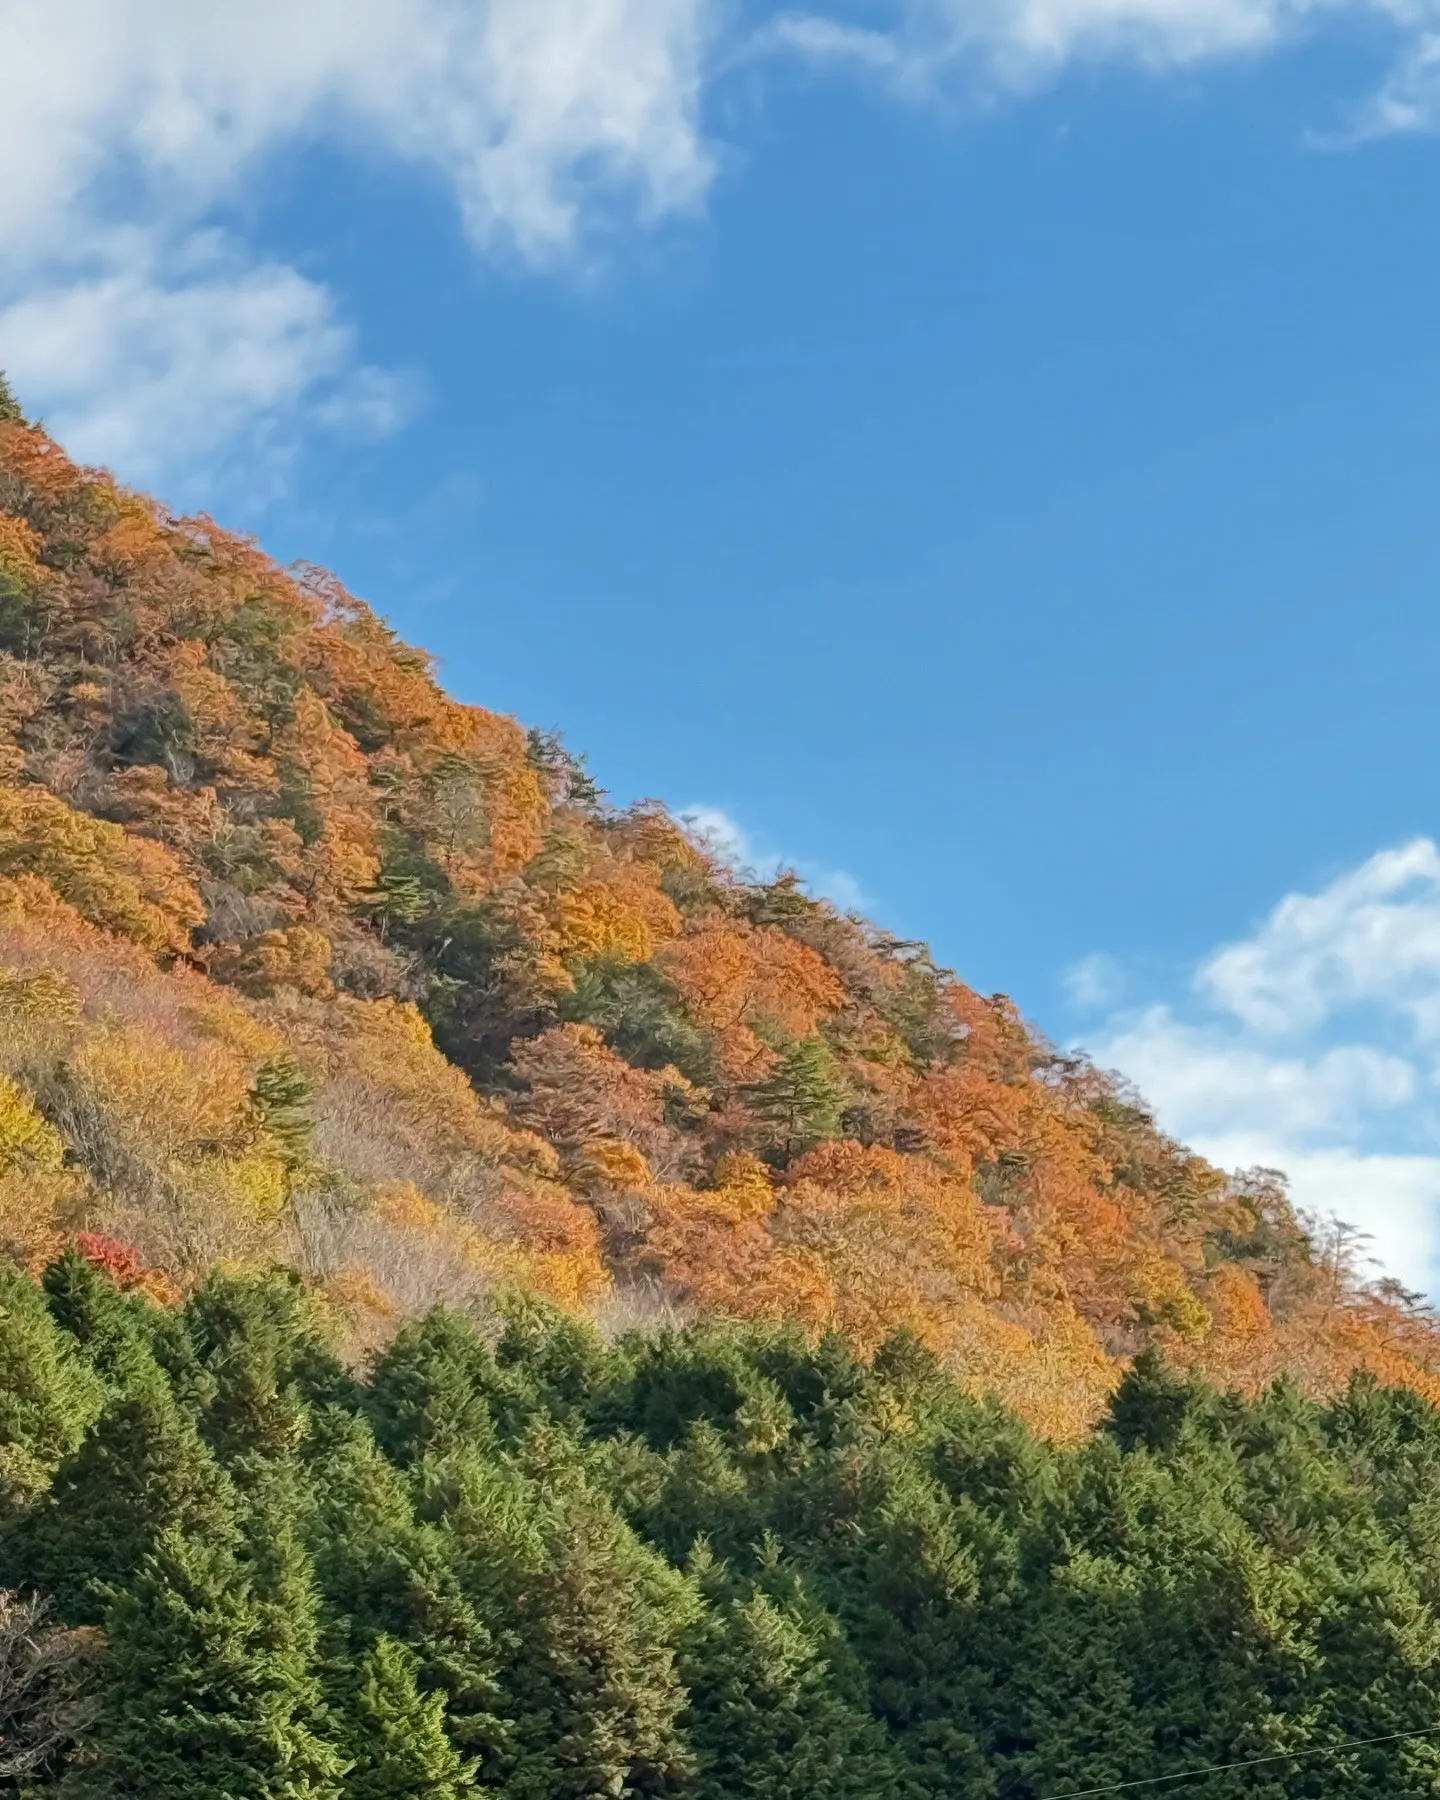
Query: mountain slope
301	958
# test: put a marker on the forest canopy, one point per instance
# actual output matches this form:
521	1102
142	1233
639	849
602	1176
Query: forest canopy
724	1562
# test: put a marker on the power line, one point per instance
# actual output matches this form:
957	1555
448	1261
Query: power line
1248	1763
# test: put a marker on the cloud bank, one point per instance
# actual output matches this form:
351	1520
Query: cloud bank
1314	1046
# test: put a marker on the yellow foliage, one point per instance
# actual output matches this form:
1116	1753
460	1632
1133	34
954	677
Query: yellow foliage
401	1203
34	1215
537	1239
618	912
611	1162
1163	1296
743	1186
1056	1375
33	996
35	1188
213	1013
594	920
1241	1349
356	1291
176	1104
126	884
20	548
29	1143
296	958
252	1187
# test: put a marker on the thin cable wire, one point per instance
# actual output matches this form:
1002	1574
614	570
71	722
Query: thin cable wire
1249	1763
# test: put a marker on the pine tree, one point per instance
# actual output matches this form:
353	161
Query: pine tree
258	1341
48	1397
560	1359
437	1389
111	1327
767	1719
281	1099
211	1687
142	1470
384	1573
800	1103
590	1682
397	1742
1151	1404
10	412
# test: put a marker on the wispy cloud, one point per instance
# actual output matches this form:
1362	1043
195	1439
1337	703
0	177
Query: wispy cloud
1313	1045
728	840
986	51
133	130
151	341
167	371
1094	982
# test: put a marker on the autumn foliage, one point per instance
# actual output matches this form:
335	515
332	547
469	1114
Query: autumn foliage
301	958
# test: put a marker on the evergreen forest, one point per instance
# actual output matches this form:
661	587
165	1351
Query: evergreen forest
726	1562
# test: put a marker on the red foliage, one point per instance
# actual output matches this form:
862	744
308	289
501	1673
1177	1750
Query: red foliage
123	1263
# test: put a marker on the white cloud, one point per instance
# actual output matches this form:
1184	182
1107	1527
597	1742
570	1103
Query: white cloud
1409	99
526	108
1016	44
719	833
1095	981
823	40
128	124
1309	1046
1373	936
157	378
1219	1083
989	49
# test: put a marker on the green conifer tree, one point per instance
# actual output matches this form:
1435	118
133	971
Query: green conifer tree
768	1720
383	1572
397	1742
258	1339
590	1680
437	1389
800	1103
211	1687
48	1396
1151	1404
142	1469
281	1099
111	1327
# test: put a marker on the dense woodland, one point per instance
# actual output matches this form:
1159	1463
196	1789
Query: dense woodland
724	1562
494	1296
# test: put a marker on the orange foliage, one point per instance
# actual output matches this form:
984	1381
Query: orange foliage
969	1116
736	977
622	915
586	1100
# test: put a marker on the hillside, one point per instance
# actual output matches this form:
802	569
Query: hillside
303	960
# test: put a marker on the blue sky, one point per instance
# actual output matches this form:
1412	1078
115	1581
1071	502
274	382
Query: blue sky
982	452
